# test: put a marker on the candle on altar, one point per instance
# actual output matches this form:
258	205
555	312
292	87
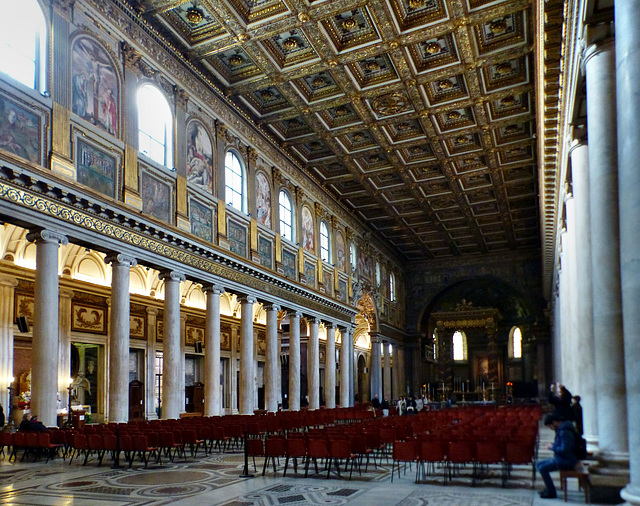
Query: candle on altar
463	386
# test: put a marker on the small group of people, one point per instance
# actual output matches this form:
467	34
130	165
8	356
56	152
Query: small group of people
31	424
566	421
410	406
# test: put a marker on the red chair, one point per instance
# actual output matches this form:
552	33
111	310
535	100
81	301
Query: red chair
459	454
18	443
31	445
340	449
517	453
6	440
431	453
295	448
79	446
94	444
403	451
488	453
274	447
255	448
190	437
108	445
144	451
219	435
168	445
316	449
359	447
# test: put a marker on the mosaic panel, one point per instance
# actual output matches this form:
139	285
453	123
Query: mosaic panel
289	264
266	252
237	236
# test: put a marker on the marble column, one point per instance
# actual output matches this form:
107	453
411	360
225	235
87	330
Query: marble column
64	346
627	17
150	394
402	379
7	291
395	374
352	366
183	366
233	390
605	260
313	363
572	339
294	360
579	154
212	366
119	337
344	368
330	368
386	391
272	362
172	397
247	381
44	354
376	367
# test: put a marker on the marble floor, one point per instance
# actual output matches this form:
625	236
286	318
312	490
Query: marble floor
215	480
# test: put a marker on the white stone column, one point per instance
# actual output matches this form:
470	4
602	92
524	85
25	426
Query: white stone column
330	368
119	336
344	367
313	363
401	371
233	389
294	360
247	374
150	381
44	354
386	391
627	17
7	291
572	340
396	392
212	366
183	367
64	346
579	153
172	397
272	361
605	260
376	368
352	367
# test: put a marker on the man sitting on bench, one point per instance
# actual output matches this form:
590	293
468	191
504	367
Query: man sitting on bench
563	452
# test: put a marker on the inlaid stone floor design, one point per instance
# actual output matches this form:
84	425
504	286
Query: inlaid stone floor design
215	480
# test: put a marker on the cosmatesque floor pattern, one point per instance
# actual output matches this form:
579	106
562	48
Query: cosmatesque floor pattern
215	480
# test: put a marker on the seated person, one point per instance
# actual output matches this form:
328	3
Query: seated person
563	452
31	424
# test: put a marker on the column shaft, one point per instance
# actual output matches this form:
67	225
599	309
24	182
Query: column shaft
294	361
246	357
150	398
352	369
119	337
386	391
376	368
64	346
271	360
586	358
344	368
330	368
212	367
7	290
44	361
172	397
605	259
313	364
627	17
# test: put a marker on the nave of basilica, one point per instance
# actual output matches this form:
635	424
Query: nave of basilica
232	207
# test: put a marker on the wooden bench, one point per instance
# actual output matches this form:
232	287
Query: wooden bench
582	475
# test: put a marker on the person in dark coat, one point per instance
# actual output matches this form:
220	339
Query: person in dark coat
560	399
1	416
563	453
577	414
375	402
31	424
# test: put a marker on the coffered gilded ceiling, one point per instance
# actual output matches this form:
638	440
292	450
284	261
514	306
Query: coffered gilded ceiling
416	114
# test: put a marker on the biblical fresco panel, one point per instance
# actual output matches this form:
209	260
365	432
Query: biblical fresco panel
19	131
263	200
199	156
307	229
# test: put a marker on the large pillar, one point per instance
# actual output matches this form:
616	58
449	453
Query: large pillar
605	259
344	368
172	396
352	366
572	340
386	391
272	363
233	390
64	346
119	337
247	382
627	17
396	390
150	394
313	364
7	291
584	301
376	367
330	368
44	361
212	367
294	360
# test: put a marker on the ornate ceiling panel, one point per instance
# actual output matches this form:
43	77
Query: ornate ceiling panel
416	114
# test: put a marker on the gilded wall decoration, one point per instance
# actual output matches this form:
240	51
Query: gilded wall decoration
307	229
237	235
263	200
88	319
156	197
199	156
342	290
193	335
340	251
20	131
327	279
159	330
137	327
201	218
94	90
289	264
95	168
310	274
23	307
265	250
225	341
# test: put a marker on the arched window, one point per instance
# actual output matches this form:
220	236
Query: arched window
286	216
352	256
155	131
234	181
459	345
325	252
392	287
515	343
23	44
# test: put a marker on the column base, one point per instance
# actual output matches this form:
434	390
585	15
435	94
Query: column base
631	495
608	477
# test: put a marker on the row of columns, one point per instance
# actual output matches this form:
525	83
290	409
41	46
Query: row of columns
47	347
601	328
381	384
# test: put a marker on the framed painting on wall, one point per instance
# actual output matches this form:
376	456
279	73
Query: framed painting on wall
88	319
95	168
